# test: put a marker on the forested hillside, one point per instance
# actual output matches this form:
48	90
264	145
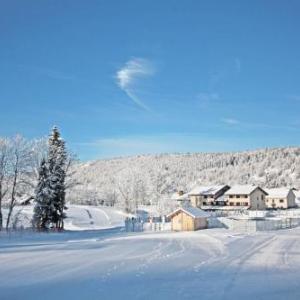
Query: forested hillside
149	178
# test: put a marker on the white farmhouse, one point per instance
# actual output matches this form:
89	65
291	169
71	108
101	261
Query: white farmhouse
208	195
247	196
280	198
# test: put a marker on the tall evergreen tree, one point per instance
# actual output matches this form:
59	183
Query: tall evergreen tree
50	191
42	209
57	157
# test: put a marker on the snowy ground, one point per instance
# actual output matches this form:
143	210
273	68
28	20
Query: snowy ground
112	264
93	217
79	217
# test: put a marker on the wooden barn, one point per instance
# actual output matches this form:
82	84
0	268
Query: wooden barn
188	219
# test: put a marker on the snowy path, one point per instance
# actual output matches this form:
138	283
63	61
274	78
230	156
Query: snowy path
110	264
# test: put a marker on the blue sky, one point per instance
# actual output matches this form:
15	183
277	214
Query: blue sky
129	77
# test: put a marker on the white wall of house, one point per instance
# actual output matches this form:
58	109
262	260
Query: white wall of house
238	200
257	199
199	200
281	202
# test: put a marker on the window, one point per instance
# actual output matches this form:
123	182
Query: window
230	196
262	197
231	203
238	196
204	203
281	201
205	196
246	196
246	203
238	204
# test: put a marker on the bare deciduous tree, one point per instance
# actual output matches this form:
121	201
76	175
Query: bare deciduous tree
132	191
19	168
4	145
71	182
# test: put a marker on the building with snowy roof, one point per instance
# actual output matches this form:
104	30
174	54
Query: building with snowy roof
208	195
188	219
280	198
181	198
248	196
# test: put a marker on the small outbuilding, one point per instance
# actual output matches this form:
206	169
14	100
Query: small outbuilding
188	219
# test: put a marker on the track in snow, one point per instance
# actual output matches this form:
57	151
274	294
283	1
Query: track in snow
110	264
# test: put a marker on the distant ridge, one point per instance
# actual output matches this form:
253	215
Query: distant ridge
151	177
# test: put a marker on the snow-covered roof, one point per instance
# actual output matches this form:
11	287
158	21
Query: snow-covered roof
194	212
278	192
176	196
243	190
206	190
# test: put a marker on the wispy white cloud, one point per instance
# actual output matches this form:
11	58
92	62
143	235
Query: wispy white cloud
230	121
129	75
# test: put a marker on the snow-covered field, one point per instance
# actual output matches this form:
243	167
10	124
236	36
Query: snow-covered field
79	217
112	264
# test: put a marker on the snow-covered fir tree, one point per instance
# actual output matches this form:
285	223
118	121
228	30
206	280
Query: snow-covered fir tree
57	158
50	190
42	209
